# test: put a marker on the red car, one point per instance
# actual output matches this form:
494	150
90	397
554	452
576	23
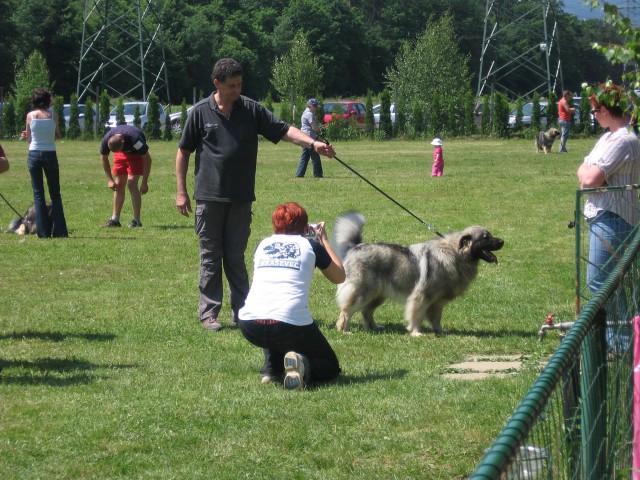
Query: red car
350	111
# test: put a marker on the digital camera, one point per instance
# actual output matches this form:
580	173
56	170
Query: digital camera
312	231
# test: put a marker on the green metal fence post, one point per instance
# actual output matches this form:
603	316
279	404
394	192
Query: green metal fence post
594	392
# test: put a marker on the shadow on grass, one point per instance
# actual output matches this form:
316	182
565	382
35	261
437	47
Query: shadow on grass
57	336
372	377
397	329
55	372
173	227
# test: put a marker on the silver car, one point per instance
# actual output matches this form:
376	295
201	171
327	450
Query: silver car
66	113
129	114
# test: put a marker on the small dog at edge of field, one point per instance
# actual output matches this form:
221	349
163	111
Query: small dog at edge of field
27	224
425	276
544	140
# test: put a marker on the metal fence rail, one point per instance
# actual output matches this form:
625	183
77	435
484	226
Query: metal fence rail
575	422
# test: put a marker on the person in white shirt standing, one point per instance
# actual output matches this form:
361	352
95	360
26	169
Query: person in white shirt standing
41	132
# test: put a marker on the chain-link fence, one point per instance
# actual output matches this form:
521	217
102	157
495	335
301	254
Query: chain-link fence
576	420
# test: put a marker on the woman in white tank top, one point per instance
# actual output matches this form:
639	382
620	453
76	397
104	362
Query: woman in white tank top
41	132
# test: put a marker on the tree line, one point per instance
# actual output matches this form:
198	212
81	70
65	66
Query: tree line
355	43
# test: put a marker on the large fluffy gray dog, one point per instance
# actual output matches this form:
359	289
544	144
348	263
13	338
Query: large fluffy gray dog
425	276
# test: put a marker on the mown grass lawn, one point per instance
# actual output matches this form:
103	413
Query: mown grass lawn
107	373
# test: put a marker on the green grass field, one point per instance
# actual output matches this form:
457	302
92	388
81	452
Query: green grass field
108	374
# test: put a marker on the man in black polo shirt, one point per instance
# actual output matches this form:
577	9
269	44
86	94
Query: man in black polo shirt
131	160
223	130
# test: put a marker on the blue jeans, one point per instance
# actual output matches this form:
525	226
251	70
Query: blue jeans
47	162
304	161
223	231
278	339
607	233
564	134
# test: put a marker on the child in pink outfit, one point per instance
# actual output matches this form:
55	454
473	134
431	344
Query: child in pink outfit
438	158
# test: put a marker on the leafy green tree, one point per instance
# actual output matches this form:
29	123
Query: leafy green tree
137	121
552	110
431	69
34	74
297	74
501	115
89	125
485	122
585	112
401	118
536	117
104	111
285	112
9	124
167	135
469	120
339	37
74	124
120	118
519	105
268	102
369	120
386	128
183	114
153	123
58	107
54	28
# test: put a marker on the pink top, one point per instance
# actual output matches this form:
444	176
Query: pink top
437	154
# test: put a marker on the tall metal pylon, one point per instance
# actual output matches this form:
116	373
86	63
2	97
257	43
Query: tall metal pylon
533	58
122	50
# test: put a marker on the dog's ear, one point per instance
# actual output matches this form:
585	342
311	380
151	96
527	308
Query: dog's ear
465	243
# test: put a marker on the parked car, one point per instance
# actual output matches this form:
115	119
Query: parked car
350	111
176	118
66	113
129	113
376	113
527	109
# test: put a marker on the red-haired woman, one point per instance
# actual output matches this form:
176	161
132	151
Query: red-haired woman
276	313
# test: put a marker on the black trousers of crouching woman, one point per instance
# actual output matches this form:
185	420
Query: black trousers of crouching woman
276	339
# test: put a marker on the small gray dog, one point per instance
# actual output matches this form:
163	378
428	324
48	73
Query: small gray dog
26	225
544	140
425	276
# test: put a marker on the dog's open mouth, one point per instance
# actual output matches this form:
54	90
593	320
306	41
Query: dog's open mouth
488	256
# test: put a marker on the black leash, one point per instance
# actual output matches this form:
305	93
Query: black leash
11	207
430	227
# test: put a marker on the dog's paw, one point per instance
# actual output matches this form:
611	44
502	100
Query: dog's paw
416	333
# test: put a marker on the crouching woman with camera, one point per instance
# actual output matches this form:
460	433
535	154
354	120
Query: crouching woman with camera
276	313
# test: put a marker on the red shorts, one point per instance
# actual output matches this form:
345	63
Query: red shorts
127	164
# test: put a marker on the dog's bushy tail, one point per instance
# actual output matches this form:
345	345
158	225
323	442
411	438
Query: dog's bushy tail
347	232
14	225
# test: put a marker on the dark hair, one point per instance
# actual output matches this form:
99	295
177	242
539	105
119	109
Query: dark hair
226	68
41	98
290	217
